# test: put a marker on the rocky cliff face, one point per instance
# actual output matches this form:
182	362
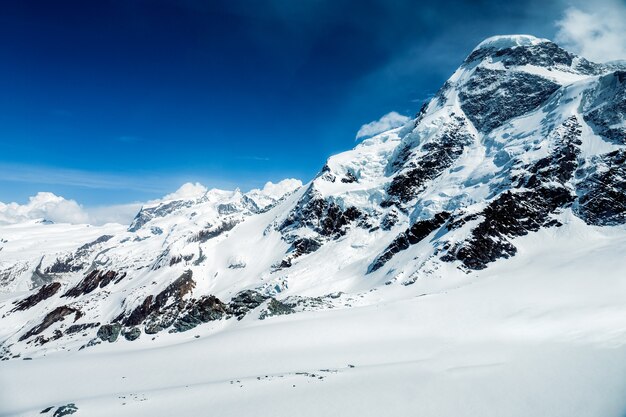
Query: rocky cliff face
523	136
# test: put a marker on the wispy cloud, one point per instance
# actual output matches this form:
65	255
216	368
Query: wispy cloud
389	121
77	178
596	30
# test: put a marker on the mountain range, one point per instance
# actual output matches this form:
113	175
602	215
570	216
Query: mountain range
492	219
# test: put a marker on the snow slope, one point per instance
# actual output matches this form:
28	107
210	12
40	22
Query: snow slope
532	336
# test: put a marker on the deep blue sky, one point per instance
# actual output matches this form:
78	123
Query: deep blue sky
117	101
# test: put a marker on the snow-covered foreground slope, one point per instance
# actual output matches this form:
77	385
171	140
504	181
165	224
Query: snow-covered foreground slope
540	334
469	262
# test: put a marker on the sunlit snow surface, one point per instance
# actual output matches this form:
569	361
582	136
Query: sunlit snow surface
541	334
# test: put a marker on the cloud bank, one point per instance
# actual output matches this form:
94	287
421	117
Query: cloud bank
598	34
389	121
188	190
279	189
44	206
49	206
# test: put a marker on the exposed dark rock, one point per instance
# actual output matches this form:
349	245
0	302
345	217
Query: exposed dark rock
300	246
44	293
422	112
92	281
210	232
131	334
514	214
389	220
492	97
75	261
120	277
304	245
75	328
52	317
416	233
327	174
93	342
275	308
178	259
509	215
244	302
323	216
607	107
139	314
349	178
201	258
65	265
400	158
545	54
436	156
109	332
207	308
460	219
45	410
171	298
163	209
160	320
41	340
251	205
560	165
86	248
602	193
227	208
65	410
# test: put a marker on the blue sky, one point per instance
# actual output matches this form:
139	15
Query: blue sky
112	101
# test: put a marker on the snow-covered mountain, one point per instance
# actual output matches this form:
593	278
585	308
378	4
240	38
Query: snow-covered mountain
506	188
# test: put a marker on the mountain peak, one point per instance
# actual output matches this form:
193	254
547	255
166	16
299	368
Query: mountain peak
501	42
522	50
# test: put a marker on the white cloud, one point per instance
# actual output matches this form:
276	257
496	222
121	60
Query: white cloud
44	206
281	188
189	190
389	121
598	34
48	206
